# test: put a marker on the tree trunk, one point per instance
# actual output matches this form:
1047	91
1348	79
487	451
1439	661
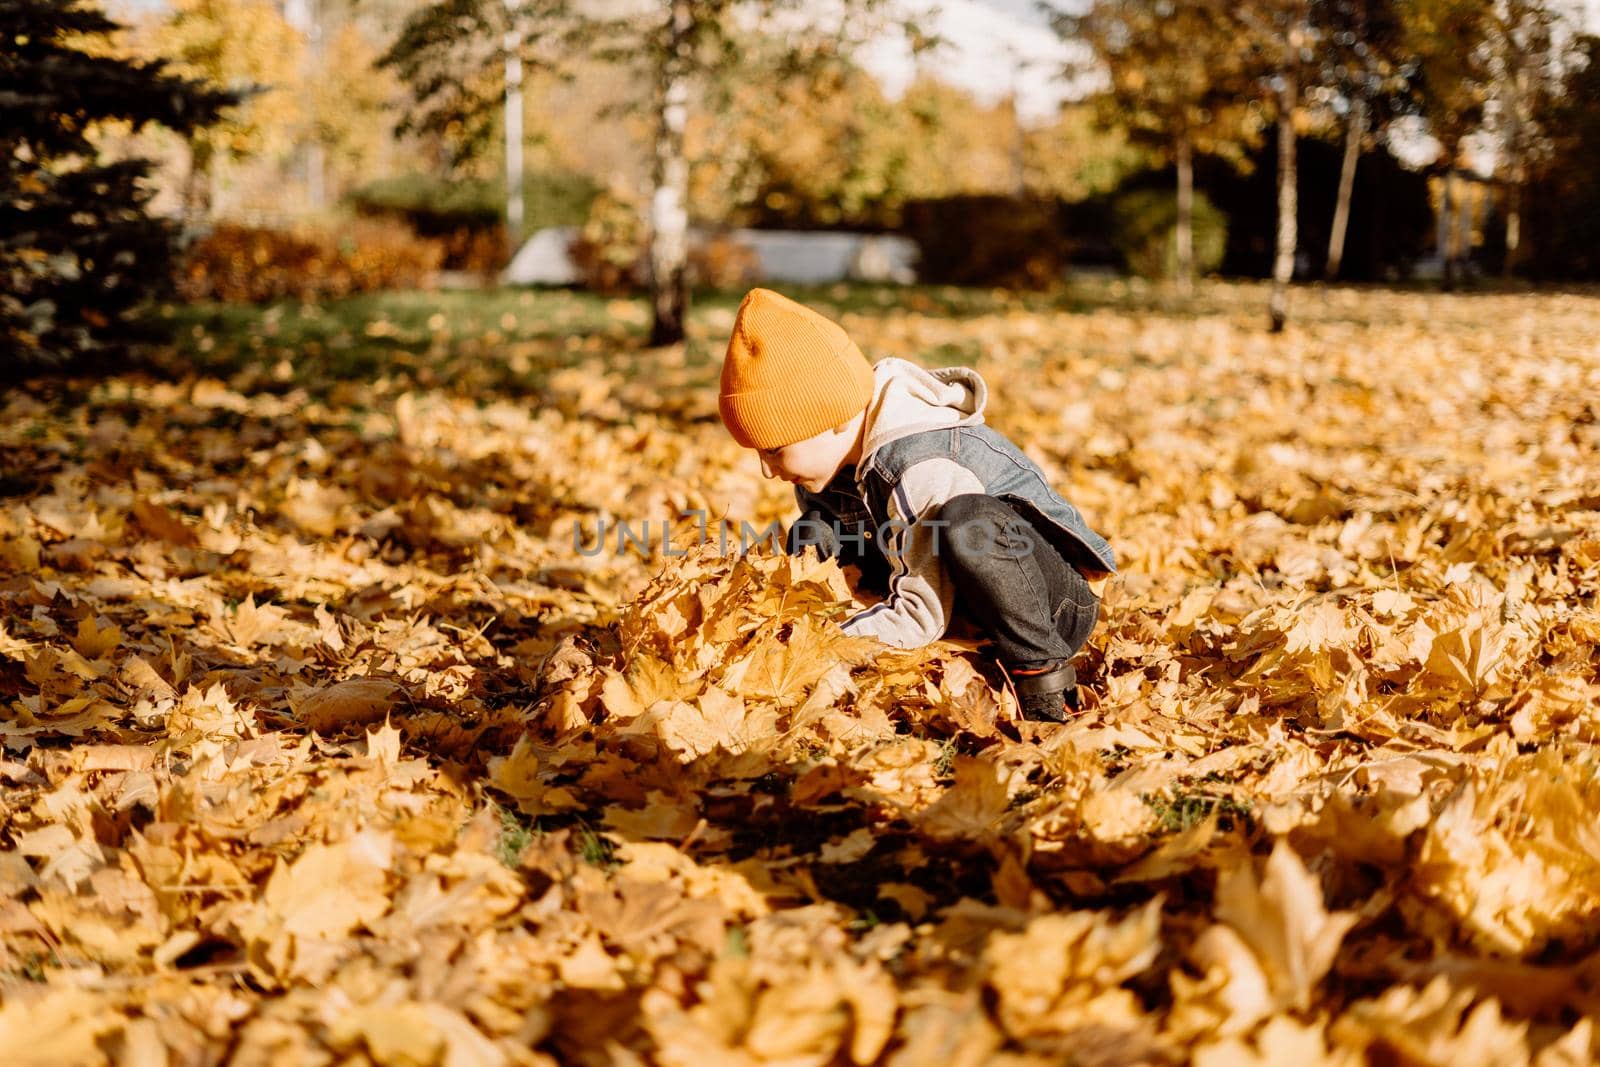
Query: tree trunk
513	122
1513	228
317	176
1354	134
197	187
669	211
1515	101
1019	149
1183	233
1288	206
316	152
1447	221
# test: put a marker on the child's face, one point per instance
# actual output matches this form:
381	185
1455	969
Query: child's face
811	463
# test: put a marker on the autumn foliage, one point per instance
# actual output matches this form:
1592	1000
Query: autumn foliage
324	742
251	264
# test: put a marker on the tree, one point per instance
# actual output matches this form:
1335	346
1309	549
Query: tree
346	103
826	147
452	54
1283	37
1077	156
820	147
348	120
243	47
1170	74
1369	74
78	250
1526	65
1564	201
1449	40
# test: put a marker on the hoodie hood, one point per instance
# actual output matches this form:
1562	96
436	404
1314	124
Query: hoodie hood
907	399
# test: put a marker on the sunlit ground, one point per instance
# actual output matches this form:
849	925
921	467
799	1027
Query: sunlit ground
1331	797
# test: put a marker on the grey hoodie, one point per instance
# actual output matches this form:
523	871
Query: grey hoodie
924	442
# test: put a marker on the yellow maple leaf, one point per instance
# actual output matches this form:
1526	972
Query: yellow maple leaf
93	640
329	890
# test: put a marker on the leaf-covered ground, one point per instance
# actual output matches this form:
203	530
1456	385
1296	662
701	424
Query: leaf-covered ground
324	742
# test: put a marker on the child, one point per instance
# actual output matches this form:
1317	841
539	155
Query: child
895	470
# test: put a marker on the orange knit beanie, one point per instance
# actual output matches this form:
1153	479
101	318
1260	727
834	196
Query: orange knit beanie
789	374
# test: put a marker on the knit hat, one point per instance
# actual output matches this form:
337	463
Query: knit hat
789	373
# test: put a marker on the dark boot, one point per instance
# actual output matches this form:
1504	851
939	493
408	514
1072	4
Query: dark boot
1048	693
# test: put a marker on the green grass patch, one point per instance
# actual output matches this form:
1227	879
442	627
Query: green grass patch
516	834
1182	808
509	339
596	849
508	342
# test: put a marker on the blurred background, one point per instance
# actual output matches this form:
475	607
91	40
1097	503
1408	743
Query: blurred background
255	150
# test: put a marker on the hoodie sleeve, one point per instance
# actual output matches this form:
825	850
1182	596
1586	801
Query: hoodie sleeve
921	595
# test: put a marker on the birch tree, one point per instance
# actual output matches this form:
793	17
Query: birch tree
690	52
1283	38
1526	68
1449	40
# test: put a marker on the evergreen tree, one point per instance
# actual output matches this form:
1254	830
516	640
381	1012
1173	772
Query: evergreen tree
78	249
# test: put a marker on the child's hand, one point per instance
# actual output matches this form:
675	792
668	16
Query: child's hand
853	578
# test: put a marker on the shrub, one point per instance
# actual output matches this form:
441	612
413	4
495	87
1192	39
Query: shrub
721	262
431	206
1144	231
467	214
480	252
247	264
987	240
609	251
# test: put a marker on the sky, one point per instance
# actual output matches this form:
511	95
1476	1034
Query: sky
996	47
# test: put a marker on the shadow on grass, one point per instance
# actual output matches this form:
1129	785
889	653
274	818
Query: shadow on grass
503	339
375	333
509	342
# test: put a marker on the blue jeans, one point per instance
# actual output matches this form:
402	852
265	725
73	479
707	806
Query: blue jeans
1034	605
1011	581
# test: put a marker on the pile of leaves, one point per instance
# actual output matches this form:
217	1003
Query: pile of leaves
335	732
